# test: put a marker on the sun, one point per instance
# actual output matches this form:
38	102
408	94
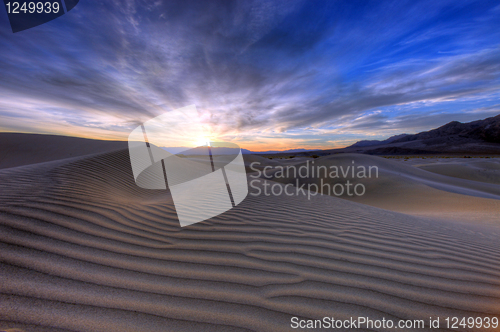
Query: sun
201	142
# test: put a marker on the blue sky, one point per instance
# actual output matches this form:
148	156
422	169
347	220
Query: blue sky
263	74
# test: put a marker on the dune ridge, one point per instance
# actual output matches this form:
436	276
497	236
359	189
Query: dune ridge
19	149
84	249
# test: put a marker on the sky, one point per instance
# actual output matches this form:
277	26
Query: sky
267	75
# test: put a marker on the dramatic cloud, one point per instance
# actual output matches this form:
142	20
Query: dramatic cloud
265	74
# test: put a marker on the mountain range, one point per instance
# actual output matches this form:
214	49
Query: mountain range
477	137
219	150
365	143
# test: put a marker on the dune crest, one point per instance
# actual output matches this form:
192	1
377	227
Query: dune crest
84	249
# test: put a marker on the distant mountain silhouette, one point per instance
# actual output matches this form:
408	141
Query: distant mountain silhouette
277	151
364	143
477	137
487	130
218	150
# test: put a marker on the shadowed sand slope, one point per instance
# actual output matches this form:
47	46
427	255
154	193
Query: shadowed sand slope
18	149
84	249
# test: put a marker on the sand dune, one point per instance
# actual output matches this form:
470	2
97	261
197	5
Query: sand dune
23	149
411	190
475	169
84	249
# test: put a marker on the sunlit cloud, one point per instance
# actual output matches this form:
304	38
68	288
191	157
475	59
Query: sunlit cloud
267	75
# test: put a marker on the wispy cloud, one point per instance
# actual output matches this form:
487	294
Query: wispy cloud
260	72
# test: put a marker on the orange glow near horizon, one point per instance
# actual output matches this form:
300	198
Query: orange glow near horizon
268	144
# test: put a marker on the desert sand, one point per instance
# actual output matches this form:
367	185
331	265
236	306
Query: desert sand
84	249
22	149
421	187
